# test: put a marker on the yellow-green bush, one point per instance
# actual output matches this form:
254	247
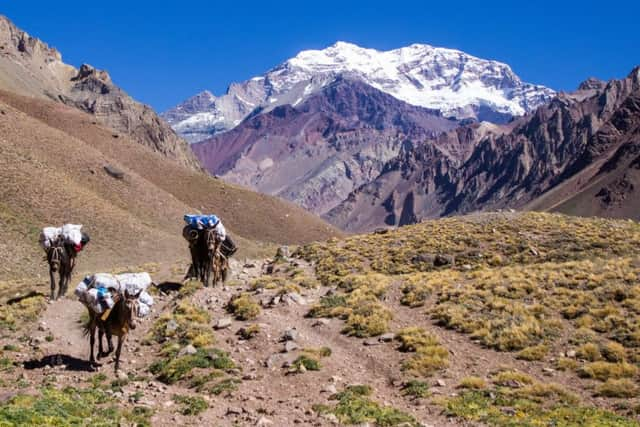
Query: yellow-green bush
243	307
606	370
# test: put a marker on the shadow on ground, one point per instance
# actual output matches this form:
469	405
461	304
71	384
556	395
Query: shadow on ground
167	287
71	363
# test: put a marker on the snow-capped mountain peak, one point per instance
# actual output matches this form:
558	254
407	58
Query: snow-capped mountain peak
449	80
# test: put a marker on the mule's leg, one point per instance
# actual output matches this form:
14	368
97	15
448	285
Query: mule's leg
225	270
53	283
92	341
109	342
65	274
61	282
100	348
118	350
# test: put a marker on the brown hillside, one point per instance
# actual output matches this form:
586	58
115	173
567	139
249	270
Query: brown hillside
52	160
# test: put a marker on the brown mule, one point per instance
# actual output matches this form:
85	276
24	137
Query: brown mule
116	321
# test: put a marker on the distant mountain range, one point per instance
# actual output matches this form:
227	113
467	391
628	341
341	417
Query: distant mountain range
367	138
363	138
457	84
578	154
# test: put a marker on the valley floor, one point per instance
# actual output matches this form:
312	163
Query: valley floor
287	341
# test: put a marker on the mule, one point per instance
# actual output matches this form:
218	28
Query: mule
62	260
117	321
208	264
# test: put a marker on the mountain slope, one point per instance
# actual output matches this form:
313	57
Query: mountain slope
457	84
318	151
29	67
52	171
576	155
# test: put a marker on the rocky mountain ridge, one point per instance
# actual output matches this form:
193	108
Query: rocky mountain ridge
28	66
582	141
318	151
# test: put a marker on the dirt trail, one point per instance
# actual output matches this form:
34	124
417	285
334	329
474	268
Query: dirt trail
55	349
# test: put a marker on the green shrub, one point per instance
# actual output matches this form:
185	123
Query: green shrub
191	405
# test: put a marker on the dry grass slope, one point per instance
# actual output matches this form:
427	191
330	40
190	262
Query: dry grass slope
559	290
51	171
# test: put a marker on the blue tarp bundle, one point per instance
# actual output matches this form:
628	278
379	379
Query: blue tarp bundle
201	221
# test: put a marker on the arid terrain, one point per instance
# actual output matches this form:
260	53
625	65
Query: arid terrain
492	319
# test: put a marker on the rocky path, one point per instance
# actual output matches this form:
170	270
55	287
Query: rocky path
54	350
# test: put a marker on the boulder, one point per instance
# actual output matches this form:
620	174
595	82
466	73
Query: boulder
114	172
224	322
442	260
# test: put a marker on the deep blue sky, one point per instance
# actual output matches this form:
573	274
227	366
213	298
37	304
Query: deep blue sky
162	52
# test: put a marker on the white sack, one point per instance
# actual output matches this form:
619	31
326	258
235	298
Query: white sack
72	233
134	283
105	280
145	298
143	309
48	236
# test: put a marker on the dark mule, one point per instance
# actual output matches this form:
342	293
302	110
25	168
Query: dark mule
208	264
118	321
62	260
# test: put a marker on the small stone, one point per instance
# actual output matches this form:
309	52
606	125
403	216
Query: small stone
290	334
282	252
251	376
290	346
466	267
295	298
331	418
42	326
387	337
548	371
172	326
441	383
371	342
508	411
224	322
571	353
329	388
234	410
263	421
271	361
320	322
189	349
442	260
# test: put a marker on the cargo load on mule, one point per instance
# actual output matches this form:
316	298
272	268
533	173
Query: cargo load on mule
210	246
61	246
113	301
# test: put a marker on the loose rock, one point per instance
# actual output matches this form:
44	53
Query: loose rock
225	322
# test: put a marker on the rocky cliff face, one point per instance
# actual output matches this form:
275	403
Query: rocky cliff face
29	67
568	155
453	82
317	152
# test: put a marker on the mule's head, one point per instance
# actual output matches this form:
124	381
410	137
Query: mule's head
212	239
54	258
130	310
